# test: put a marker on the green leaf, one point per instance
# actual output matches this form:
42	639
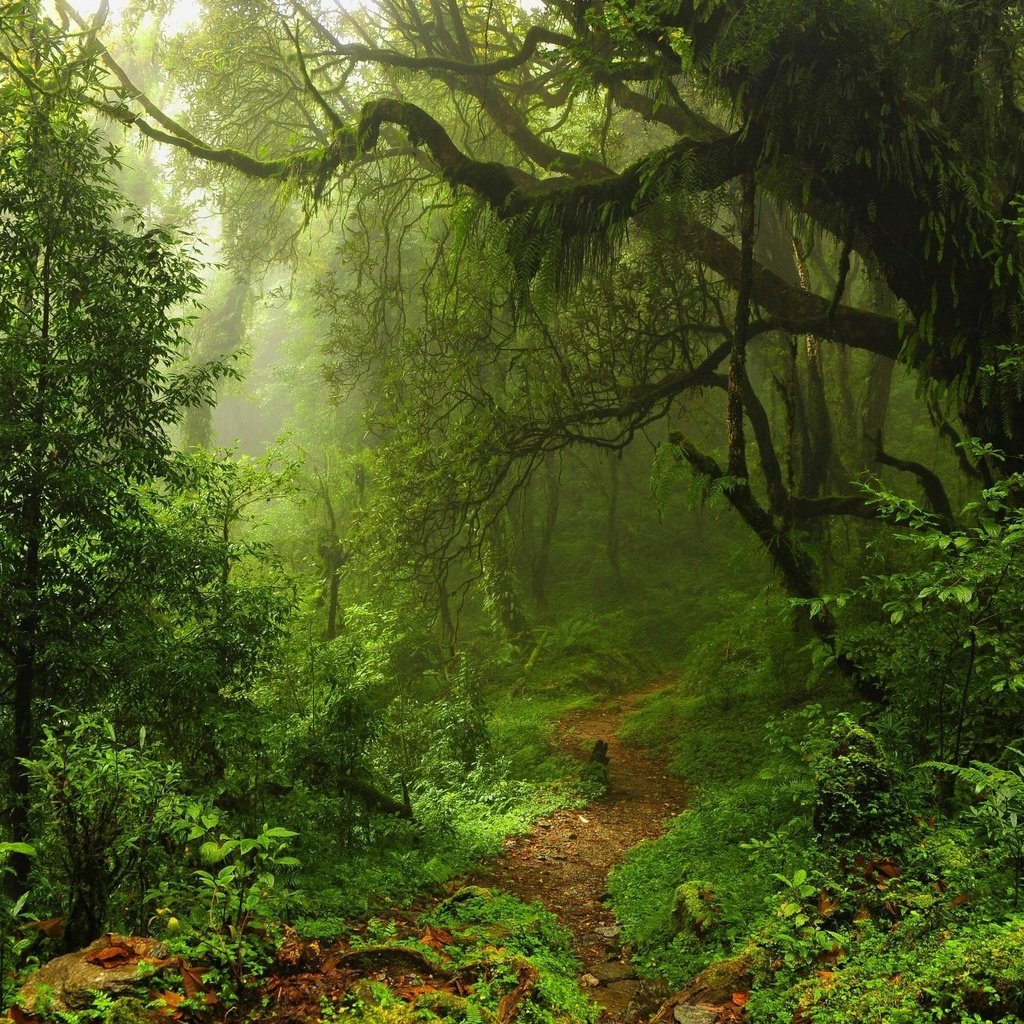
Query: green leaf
279	833
26	849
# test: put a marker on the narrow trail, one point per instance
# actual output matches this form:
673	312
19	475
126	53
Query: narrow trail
564	861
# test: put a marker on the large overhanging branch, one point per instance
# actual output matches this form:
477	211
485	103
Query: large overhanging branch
562	205
932	485
790	308
790	558
639	407
535	36
676	115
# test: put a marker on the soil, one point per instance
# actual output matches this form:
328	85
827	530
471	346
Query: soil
565	860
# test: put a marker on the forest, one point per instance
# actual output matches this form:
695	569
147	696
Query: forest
512	511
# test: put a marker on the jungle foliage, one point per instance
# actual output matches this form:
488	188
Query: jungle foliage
453	367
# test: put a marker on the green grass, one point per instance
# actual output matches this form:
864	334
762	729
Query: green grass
502	948
494	924
523	729
739	676
459	821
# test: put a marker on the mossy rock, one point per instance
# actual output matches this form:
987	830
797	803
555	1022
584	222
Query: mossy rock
496	934
451	1007
695	909
717	982
131	1011
465	895
396	1014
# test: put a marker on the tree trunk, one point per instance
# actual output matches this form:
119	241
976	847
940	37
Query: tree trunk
612	537
542	554
449	630
25	684
499	582
332	605
875	406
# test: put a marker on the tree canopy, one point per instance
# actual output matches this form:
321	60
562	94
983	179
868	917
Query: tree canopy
739	142
894	128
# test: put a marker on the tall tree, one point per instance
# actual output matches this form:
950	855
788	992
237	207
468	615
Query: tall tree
854	113
90	334
888	131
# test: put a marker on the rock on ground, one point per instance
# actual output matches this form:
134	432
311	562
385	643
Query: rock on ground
69	982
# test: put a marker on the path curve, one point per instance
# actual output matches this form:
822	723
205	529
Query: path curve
564	861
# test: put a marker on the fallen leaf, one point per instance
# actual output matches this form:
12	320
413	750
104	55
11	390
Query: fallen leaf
827	903
117	954
171	1003
192	979
437	938
886	866
740	998
52	927
508	1008
411	993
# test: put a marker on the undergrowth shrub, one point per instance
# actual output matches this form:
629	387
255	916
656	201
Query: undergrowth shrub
736	727
491	920
104	823
943	634
586	650
854	782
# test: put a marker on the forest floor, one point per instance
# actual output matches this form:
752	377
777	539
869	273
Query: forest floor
564	861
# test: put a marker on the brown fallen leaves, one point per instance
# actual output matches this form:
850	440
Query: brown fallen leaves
122	953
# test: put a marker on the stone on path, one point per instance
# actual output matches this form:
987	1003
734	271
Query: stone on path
646	1001
614	998
614	970
686	1014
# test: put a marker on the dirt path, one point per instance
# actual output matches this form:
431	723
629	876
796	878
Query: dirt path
564	862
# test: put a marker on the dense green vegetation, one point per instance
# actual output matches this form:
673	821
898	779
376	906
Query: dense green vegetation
381	385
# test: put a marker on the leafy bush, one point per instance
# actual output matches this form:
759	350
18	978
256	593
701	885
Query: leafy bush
911	976
525	933
945	637
105	817
232	901
854	782
999	810
10	912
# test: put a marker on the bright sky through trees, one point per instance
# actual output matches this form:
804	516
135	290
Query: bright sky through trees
182	12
